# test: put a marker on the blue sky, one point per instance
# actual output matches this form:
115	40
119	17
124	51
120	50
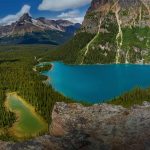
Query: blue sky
73	10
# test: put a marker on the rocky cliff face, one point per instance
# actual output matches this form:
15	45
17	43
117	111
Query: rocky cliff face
131	13
122	32
98	127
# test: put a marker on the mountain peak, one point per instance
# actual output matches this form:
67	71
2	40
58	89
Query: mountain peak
26	25
25	17
121	29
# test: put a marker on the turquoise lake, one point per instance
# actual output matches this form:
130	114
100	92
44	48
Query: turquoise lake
97	83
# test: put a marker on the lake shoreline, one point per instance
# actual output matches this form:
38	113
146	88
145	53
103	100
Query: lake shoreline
57	72
13	130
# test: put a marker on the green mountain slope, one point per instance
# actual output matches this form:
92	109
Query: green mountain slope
119	33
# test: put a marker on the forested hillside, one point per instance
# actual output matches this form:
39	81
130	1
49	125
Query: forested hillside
134	97
17	74
69	51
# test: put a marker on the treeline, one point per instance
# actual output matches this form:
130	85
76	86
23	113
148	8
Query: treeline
135	96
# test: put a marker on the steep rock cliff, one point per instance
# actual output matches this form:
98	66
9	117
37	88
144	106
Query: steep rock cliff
122	32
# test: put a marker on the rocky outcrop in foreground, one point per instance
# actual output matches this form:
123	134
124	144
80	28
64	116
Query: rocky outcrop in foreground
98	127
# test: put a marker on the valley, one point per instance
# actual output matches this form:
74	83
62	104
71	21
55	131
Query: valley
20	77
64	85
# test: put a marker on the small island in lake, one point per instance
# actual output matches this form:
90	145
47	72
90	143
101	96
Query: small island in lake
44	67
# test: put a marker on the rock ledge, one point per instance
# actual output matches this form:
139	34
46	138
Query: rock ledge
98	127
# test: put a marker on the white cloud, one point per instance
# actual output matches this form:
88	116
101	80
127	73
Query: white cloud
73	16
60	5
12	18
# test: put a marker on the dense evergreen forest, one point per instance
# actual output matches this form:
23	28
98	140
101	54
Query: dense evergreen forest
17	74
134	97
